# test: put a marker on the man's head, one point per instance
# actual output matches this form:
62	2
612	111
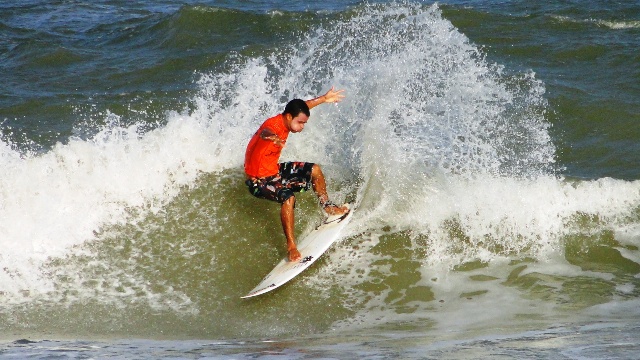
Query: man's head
296	114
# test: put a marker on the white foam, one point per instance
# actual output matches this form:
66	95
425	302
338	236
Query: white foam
59	199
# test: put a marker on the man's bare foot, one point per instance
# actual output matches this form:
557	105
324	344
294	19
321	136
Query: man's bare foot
294	255
332	209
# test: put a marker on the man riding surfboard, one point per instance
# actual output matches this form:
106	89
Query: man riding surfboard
268	179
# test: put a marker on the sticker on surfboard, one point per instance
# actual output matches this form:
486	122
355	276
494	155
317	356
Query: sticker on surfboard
311	247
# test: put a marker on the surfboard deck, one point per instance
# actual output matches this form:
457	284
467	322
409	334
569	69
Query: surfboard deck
311	247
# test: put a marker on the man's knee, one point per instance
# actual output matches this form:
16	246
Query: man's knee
316	171
290	202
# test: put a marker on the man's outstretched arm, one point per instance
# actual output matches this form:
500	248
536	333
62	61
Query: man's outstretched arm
332	96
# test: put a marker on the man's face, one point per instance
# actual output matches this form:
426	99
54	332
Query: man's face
298	122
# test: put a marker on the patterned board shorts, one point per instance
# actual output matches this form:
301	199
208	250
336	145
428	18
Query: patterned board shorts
292	177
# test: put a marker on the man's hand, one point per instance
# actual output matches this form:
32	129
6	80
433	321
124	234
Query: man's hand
333	96
267	134
276	140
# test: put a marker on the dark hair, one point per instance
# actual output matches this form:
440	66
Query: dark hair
295	107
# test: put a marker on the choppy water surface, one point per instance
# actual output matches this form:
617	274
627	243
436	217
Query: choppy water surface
491	150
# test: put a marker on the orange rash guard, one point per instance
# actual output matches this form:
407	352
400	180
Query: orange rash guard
261	158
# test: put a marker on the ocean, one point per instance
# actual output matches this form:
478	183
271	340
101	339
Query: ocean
491	150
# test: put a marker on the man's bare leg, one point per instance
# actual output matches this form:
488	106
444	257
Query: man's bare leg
320	188
287	218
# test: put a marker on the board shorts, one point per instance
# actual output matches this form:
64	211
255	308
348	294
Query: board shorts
292	177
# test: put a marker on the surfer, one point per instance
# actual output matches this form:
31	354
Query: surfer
268	179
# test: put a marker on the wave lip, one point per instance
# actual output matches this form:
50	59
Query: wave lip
611	24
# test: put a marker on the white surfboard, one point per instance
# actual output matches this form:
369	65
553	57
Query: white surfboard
311	247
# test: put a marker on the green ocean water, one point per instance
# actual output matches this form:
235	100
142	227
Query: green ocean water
491	150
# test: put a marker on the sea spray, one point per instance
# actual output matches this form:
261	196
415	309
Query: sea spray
457	168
